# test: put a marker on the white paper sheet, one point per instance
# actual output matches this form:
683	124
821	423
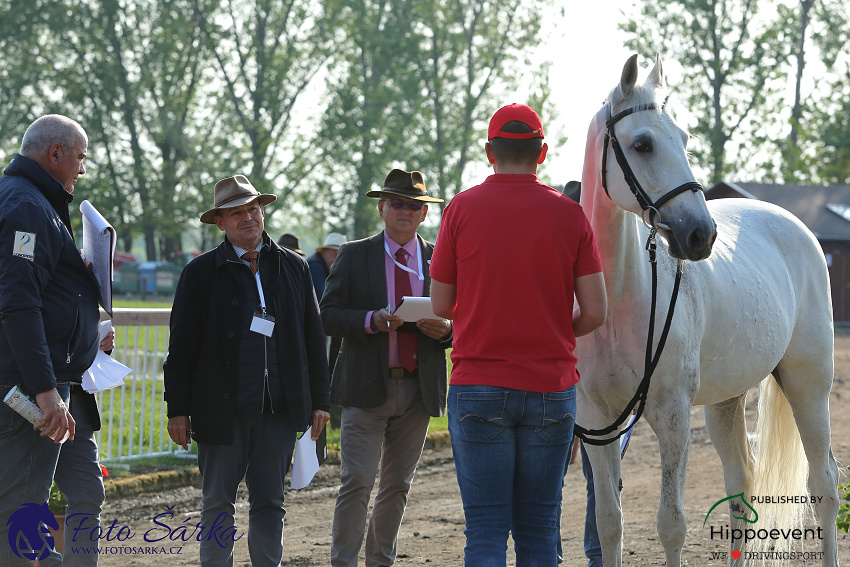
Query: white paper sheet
412	309
306	462
624	440
105	372
99	248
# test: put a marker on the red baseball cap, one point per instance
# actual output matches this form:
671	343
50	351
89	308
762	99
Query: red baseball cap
519	113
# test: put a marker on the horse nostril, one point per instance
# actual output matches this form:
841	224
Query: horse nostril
697	240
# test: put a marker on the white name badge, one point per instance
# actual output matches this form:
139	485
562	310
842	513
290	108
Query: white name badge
262	325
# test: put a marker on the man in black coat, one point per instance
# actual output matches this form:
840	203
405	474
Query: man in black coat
246	370
389	379
48	316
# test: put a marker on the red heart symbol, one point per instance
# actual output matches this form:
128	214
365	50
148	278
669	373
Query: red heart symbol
735	554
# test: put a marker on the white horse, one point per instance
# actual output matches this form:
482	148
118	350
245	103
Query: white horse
753	303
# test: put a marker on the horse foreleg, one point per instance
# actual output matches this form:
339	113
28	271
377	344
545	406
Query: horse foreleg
727	430
605	462
671	421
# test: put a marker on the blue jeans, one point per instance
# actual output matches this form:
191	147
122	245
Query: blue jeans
30	460
510	449
592	547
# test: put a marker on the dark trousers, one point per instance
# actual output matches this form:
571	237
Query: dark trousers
79	477
261	452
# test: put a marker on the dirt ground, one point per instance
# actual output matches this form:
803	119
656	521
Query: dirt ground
432	532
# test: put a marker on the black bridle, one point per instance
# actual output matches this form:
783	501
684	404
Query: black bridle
638	402
644	200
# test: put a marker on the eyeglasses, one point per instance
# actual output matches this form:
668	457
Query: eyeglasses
398	204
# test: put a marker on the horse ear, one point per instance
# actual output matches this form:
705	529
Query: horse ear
629	76
656	76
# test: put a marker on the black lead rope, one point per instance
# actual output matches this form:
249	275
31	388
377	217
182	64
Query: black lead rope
650	362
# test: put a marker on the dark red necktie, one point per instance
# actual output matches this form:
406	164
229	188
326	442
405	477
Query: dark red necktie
406	339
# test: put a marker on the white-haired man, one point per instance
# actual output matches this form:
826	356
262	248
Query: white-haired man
49	317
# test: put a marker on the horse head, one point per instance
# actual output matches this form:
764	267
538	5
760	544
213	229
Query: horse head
645	166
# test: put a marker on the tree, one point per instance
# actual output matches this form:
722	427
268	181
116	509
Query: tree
268	54
23	69
415	90
375	96
728	47
468	49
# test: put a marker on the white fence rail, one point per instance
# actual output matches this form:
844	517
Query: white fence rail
133	416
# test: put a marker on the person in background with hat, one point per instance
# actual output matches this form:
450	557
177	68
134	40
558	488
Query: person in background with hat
246	370
512	395
320	266
320	263
388	379
291	242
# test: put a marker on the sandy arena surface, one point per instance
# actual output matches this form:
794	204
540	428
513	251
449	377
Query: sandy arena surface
432	532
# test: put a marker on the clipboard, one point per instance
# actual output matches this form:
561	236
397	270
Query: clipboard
99	241
412	309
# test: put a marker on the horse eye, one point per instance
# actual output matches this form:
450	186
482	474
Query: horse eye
643	146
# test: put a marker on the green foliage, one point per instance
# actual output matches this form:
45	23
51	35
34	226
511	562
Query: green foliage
465	47
766	83
56	502
414	89
732	60
829	162
843	520
313	101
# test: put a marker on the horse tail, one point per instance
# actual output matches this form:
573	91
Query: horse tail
781	469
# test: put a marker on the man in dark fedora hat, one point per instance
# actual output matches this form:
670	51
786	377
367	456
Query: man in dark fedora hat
246	370
291	242
389	380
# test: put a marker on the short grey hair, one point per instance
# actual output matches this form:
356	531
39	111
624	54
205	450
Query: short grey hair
48	130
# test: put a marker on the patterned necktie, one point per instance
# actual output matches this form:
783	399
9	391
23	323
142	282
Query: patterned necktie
252	257
406	339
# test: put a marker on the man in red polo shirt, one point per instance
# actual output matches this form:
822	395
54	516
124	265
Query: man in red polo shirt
516	267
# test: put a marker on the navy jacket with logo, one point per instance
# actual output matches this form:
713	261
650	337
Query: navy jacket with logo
48	298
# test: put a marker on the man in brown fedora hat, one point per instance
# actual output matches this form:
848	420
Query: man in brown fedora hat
388	379
246	370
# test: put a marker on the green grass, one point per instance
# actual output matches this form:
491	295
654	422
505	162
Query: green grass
139	304
147	465
137	425
156	338
436	424
146	363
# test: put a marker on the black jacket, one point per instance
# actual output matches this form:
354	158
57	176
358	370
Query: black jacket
206	326
48	298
